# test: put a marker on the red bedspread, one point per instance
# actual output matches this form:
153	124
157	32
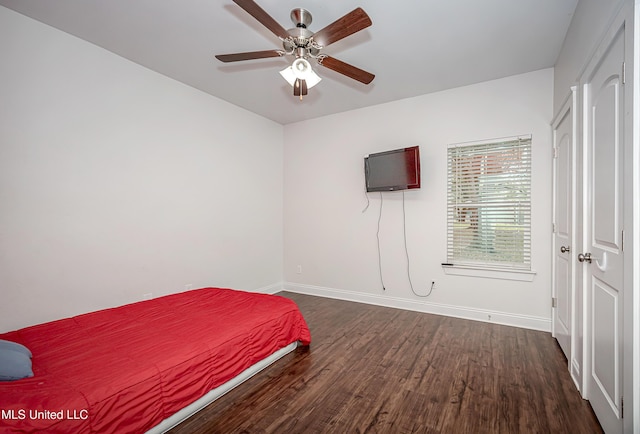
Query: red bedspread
124	370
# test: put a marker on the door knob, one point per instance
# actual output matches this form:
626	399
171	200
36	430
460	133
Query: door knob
564	249
584	258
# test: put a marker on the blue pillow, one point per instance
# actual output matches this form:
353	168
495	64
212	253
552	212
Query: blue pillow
15	361
9	345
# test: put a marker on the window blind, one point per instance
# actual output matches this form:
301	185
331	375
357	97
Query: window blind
489	204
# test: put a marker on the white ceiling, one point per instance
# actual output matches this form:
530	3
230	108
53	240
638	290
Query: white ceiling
414	47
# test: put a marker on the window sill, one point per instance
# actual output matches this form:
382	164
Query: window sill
490	273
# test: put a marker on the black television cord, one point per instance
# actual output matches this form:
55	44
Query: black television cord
406	249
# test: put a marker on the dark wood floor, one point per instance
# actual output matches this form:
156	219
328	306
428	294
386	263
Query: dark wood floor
381	370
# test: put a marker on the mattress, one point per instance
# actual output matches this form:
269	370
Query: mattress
128	368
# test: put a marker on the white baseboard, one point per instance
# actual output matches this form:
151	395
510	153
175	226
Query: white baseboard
270	289
504	318
576	377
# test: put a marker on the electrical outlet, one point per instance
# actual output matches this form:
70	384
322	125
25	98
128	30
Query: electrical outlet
299	269
147	296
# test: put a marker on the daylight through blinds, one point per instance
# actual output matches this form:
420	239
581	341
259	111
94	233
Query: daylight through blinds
489	204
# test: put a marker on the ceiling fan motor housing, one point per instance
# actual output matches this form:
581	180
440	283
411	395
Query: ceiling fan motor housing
299	43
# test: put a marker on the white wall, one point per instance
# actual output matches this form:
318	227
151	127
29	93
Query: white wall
334	242
116	182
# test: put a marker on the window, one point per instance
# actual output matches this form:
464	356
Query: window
489	205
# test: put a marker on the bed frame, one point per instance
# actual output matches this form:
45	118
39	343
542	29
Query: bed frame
219	391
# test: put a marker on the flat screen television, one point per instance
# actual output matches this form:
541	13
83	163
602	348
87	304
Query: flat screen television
393	170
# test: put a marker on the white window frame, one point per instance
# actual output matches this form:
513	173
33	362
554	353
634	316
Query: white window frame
488	197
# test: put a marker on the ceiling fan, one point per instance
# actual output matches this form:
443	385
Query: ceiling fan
304	44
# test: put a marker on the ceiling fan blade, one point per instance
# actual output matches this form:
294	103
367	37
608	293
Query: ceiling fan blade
265	19
235	57
346	69
349	24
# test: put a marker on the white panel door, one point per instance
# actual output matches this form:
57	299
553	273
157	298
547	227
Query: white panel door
603	257
563	230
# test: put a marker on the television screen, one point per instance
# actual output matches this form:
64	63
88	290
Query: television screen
393	170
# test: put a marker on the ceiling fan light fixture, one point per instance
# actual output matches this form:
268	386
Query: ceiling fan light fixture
300	69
